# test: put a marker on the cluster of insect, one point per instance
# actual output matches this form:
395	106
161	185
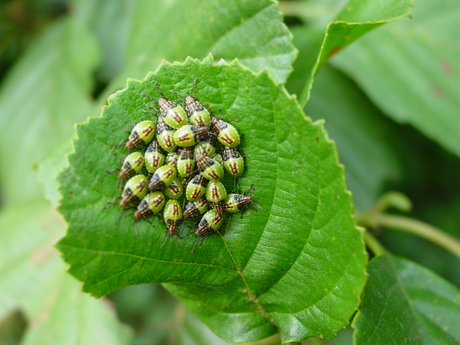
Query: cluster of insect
185	154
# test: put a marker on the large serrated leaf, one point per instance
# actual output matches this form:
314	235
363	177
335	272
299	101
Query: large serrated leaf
405	303
296	267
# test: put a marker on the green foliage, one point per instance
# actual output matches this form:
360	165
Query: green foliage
295	267
261	278
387	65
415	305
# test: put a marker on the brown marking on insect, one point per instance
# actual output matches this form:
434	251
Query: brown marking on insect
234	168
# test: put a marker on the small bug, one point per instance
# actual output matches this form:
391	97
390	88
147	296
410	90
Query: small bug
188	135
237	202
172	215
141	134
206	146
197	113
165	135
175	190
233	161
173	114
162	177
151	204
226	133
210	223
134	190
172	158
132	164
186	162
154	158
196	188
210	168
216	194
195	208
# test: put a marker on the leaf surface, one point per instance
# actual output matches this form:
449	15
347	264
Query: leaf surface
356	19
404	303
296	267
252	31
410	69
366	140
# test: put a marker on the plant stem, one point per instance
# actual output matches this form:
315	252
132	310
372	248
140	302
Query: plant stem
421	229
373	244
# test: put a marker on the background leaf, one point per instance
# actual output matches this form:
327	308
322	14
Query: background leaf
251	31
356	19
44	94
296	268
405	303
410	69
57	69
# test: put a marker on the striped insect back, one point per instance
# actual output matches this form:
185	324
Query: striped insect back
162	177
196	188
134	190
209	168
226	133
173	215
216	195
154	157
141	134
174	115
197	113
210	223
165	135
132	165
189	135
233	161
186	162
151	204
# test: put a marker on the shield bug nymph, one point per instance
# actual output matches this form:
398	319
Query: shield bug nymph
175	190
154	157
173	113
196	188
151	204
134	190
209	167
197	113
186	162
162	177
165	135
189	135
173	216
216	194
141	135
195	208
210	223
233	161
226	133
131	165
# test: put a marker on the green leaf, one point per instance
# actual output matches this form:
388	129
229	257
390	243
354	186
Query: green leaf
69	317
40	100
366	141
252	31
296	267
356	19
34	281
410	69
404	303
